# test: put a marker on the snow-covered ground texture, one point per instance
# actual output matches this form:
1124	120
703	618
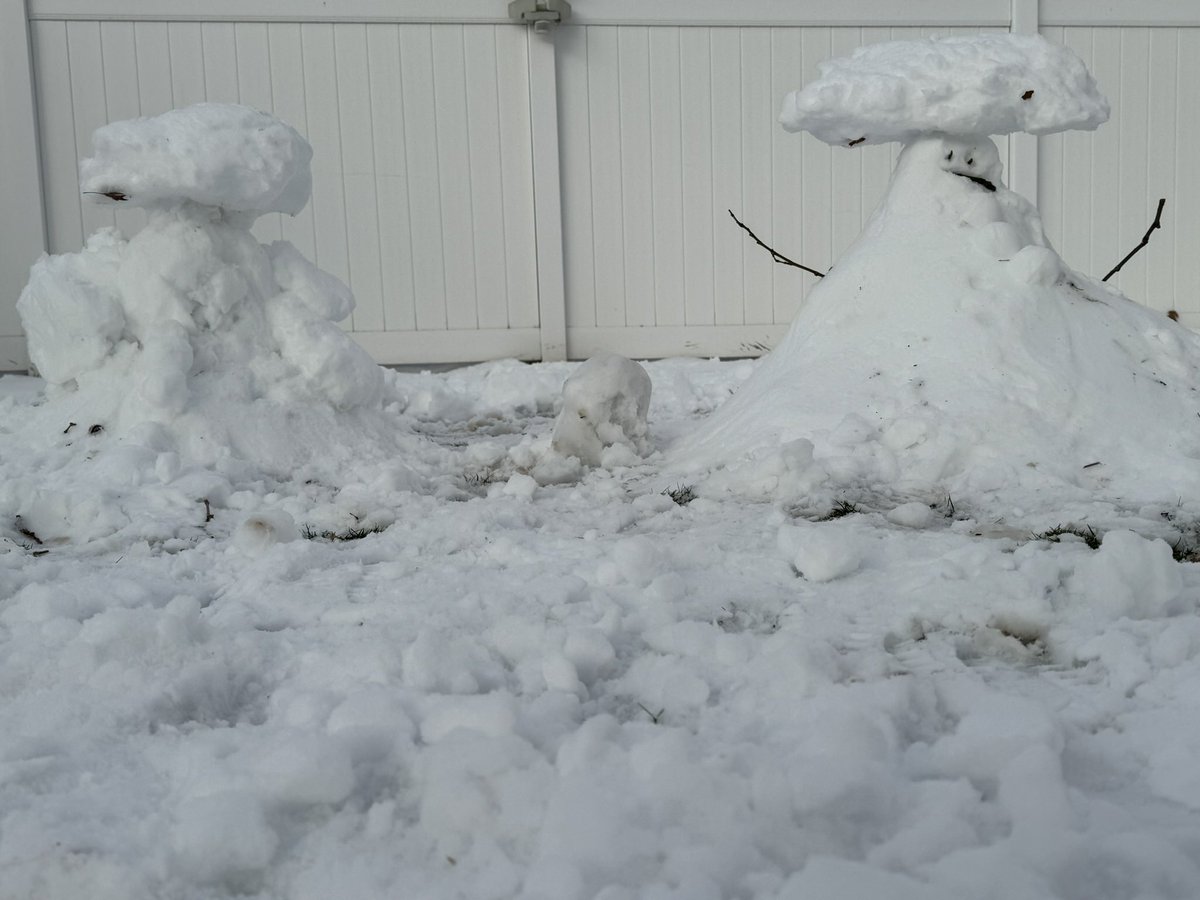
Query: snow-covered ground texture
978	84
950	350
487	688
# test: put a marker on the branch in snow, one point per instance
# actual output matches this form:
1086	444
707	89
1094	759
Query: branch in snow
1157	223
775	254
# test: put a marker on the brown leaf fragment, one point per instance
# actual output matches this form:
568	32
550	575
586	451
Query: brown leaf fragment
1173	315
111	195
1028	95
856	141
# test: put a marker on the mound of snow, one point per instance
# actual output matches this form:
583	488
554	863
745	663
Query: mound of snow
605	402
193	346
214	154
981	84
951	350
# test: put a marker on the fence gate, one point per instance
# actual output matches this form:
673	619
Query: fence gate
489	190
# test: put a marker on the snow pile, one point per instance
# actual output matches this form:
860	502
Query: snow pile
982	84
192	346
603	416
594	690
952	351
214	154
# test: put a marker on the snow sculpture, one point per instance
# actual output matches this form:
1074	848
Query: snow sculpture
951	348
227	346
603	417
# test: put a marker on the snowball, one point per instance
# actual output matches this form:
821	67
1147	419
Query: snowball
821	553
70	311
222	838
978	84
911	515
264	529
306	770
214	154
605	402
491	714
1131	576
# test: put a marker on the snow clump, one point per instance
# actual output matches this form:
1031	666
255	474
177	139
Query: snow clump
603	417
192	345
981	84
214	154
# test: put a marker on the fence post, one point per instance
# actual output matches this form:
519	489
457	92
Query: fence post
1022	147
547	195
22	219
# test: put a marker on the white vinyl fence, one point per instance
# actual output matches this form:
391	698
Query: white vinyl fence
487	191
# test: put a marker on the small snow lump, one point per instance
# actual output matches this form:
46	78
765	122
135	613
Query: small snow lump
605	402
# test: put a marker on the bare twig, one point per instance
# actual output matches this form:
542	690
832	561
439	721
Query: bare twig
1157	223
775	254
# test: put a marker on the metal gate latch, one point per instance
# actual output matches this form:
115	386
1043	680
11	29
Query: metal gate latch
541	14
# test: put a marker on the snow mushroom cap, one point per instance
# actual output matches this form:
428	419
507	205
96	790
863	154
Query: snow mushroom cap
214	154
977	85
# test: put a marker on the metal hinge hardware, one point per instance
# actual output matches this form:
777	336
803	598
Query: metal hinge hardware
541	14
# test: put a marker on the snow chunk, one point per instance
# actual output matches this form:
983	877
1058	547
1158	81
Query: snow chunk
981	84
1131	576
214	154
821	553
911	515
605	402
223	838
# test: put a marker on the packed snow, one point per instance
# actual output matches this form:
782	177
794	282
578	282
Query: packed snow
604	406
978	84
214	154
899	611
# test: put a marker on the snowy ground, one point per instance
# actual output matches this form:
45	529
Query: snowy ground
587	690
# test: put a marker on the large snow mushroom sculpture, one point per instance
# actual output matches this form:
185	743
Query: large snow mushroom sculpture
193	325
191	359
951	349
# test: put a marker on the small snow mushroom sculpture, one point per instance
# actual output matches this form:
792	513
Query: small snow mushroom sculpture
225	345
951	349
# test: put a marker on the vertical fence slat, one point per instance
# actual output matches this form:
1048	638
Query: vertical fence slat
23	226
424	190
361	190
637	198
516	175
64	218
787	176
1163	154
186	49
758	201
604	110
699	205
726	137
219	42
575	146
454	171
391	170
1187	185
666	169
487	186
324	133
